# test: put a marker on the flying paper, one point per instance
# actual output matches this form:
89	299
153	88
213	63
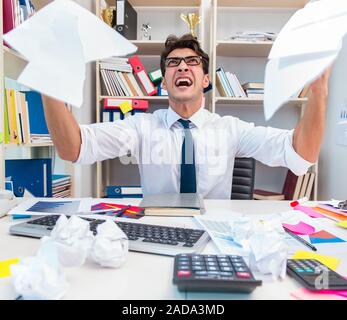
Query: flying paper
305	47
58	41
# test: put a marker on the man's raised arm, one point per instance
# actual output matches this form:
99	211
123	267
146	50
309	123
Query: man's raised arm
63	127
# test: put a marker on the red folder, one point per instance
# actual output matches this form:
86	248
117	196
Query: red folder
142	75
114	103
8	15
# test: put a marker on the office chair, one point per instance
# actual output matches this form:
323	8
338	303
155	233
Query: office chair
243	179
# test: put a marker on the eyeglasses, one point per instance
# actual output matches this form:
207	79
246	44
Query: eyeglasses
176	61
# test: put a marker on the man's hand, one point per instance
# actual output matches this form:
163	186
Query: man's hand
308	134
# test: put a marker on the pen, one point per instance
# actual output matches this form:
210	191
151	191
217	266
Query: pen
303	241
299	201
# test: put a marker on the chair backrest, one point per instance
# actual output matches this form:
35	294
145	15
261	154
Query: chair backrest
243	179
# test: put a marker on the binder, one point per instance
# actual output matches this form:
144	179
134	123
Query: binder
34	175
123	192
126	20
142	75
137	104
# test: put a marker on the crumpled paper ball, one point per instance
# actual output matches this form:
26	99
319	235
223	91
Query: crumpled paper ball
73	240
264	241
110	246
40	277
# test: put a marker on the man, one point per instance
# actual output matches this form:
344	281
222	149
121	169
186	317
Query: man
185	148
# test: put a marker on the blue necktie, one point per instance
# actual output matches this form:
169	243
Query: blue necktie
188	175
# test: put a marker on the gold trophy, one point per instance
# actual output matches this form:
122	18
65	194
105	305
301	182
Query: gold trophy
107	15
192	19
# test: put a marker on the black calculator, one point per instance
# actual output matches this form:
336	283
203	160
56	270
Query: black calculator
213	273
314	275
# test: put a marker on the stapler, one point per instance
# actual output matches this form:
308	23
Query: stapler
343	205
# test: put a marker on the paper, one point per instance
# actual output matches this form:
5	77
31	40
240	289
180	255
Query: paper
40	277
73	240
342	224
110	246
5	270
125	107
330	262
305	294
309	211
305	47
58	41
300	228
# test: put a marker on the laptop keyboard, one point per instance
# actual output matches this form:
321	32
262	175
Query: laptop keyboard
156	236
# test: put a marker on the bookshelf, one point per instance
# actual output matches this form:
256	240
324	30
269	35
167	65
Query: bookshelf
248	60
149	52
11	65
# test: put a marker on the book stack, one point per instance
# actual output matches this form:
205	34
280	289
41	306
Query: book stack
61	186
228	84
294	188
24	120
254	90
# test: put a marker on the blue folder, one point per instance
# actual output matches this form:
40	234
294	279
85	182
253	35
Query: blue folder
35	175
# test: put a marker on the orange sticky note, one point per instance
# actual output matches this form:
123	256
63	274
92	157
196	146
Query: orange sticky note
125	107
5	270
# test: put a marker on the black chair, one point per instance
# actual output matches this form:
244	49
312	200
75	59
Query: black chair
243	179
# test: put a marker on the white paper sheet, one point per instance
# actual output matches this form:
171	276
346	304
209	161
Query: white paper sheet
305	47
58	41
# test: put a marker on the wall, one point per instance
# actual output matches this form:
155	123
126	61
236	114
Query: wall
333	158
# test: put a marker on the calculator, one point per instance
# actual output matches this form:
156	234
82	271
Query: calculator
213	273
310	273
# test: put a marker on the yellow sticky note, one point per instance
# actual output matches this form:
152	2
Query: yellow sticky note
5	270
342	224
125	107
329	261
1	137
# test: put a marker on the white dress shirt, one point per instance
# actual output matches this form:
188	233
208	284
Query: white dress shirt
155	140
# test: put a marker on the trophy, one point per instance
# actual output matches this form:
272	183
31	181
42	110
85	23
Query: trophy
145	28
108	15
192	19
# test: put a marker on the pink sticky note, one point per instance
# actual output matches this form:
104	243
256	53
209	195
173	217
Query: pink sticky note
305	294
300	228
309	211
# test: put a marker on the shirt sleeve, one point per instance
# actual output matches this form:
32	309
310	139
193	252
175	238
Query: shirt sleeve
271	146
108	140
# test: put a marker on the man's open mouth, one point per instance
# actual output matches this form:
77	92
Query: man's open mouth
183	82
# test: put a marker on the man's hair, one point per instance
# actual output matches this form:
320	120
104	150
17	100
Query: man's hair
186	41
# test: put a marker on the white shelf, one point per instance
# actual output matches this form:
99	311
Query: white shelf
263	3
161	3
149	47
29	145
233	48
149	98
254	102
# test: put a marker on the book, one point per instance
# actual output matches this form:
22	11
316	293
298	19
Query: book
304	185
123	192
253	85
219	83
310	185
267	195
173	204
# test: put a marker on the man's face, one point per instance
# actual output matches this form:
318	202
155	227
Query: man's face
185	82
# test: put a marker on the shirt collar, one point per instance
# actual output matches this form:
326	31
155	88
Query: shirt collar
198	118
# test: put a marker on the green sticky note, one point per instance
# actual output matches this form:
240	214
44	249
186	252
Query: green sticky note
5	270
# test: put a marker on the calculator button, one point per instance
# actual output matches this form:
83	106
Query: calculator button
226	269
224	264
243	274
210	268
183	273
197	263
183	262
199	268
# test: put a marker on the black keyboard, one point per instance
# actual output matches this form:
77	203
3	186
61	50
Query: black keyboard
142	237
213	273
314	275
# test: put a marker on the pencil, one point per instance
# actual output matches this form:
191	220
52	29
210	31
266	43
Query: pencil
303	241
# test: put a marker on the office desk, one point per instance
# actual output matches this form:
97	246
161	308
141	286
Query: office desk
148	276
